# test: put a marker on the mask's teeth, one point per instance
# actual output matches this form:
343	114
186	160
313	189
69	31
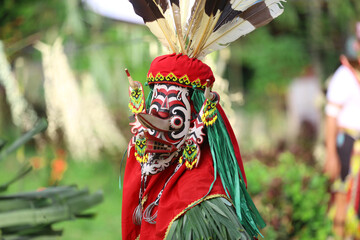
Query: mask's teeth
157	146
161	146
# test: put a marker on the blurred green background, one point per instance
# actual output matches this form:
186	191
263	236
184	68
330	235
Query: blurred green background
61	60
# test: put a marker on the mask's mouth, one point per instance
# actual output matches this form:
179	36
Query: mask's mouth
157	145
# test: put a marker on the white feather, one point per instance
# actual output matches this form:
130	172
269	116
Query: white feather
242	5
275	7
184	11
163	32
193	24
233	30
227	34
178	27
170	20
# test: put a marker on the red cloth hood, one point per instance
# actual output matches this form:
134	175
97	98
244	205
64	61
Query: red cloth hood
180	70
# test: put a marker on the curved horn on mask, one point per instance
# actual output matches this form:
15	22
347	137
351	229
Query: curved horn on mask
132	83
208	94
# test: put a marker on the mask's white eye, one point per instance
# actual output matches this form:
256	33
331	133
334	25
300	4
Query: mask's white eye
176	122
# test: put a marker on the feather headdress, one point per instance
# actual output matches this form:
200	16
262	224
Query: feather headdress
198	27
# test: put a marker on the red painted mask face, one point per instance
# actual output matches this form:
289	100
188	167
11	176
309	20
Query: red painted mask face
172	103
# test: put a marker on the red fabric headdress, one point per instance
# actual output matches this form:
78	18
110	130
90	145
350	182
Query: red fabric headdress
179	69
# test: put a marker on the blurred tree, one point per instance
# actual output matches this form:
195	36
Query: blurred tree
23	22
92	43
308	33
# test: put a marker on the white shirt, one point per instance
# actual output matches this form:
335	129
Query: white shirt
304	93
344	90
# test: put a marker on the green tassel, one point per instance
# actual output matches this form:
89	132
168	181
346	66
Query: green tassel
227	167
148	99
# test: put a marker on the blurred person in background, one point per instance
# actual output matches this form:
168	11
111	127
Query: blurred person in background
304	113
342	128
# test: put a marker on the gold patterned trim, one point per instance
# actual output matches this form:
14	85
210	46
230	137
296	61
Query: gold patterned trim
171	77
190	205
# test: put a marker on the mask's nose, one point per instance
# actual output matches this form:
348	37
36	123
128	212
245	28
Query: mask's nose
164	110
154	122
165	104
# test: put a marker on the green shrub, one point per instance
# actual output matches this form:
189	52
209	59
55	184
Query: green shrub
292	197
